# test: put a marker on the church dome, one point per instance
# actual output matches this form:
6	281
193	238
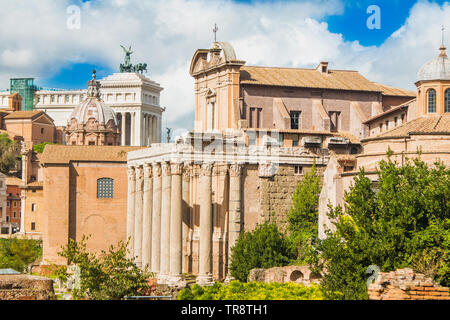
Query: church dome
94	108
436	69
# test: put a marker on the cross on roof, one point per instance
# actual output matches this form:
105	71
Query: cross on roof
215	32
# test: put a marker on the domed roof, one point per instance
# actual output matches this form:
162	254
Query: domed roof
93	106
436	69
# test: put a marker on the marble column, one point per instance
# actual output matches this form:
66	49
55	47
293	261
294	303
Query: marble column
138	215
176	221
205	246
186	218
234	211
130	209
124	128
132	129
156	219
165	223
147	216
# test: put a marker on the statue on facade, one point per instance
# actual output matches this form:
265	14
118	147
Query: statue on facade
128	67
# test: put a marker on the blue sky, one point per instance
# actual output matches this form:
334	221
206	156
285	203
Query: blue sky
166	33
350	23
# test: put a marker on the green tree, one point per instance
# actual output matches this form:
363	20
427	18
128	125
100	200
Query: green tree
303	215
402	222
19	254
264	247
107	276
8	153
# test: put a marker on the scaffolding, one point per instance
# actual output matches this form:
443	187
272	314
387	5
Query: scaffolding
26	88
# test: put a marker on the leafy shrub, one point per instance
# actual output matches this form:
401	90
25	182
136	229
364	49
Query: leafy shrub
39	148
109	276
252	291
264	247
19	254
402	222
8	153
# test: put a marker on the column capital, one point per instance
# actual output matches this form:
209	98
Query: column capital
139	172
176	168
236	169
206	168
187	173
157	171
148	171
165	167
131	173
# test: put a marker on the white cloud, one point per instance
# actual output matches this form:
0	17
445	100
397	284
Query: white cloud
36	42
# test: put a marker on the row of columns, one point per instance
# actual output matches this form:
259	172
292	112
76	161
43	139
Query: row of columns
145	134
158	196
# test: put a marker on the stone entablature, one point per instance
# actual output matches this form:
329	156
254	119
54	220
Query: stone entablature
206	189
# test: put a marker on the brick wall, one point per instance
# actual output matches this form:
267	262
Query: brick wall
405	284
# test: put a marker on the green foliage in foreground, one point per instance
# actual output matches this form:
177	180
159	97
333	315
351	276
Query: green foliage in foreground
252	291
264	247
39	148
108	276
402	222
18	254
303	216
8	153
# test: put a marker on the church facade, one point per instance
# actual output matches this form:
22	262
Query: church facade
257	131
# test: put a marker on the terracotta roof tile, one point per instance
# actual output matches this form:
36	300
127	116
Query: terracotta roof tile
23	114
393	91
64	154
307	78
426	124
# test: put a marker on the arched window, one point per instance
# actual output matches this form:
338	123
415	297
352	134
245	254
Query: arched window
447	101
105	188
431	101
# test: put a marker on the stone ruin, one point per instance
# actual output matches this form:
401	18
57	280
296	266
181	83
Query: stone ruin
296	274
405	284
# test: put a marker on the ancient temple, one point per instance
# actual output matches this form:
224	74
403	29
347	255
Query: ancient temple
93	122
258	130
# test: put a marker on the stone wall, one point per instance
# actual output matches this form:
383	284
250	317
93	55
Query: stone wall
296	274
405	284
26	287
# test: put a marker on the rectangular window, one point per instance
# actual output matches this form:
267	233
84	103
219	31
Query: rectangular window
15	204
387	125
298	170
255	117
334	119
281	139
105	188
42	130
33	207
395	121
14	214
381	127
295	120
33	226
295	139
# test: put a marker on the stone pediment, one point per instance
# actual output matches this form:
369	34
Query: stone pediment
44	119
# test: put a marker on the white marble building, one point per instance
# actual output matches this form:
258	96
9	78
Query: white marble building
134	98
